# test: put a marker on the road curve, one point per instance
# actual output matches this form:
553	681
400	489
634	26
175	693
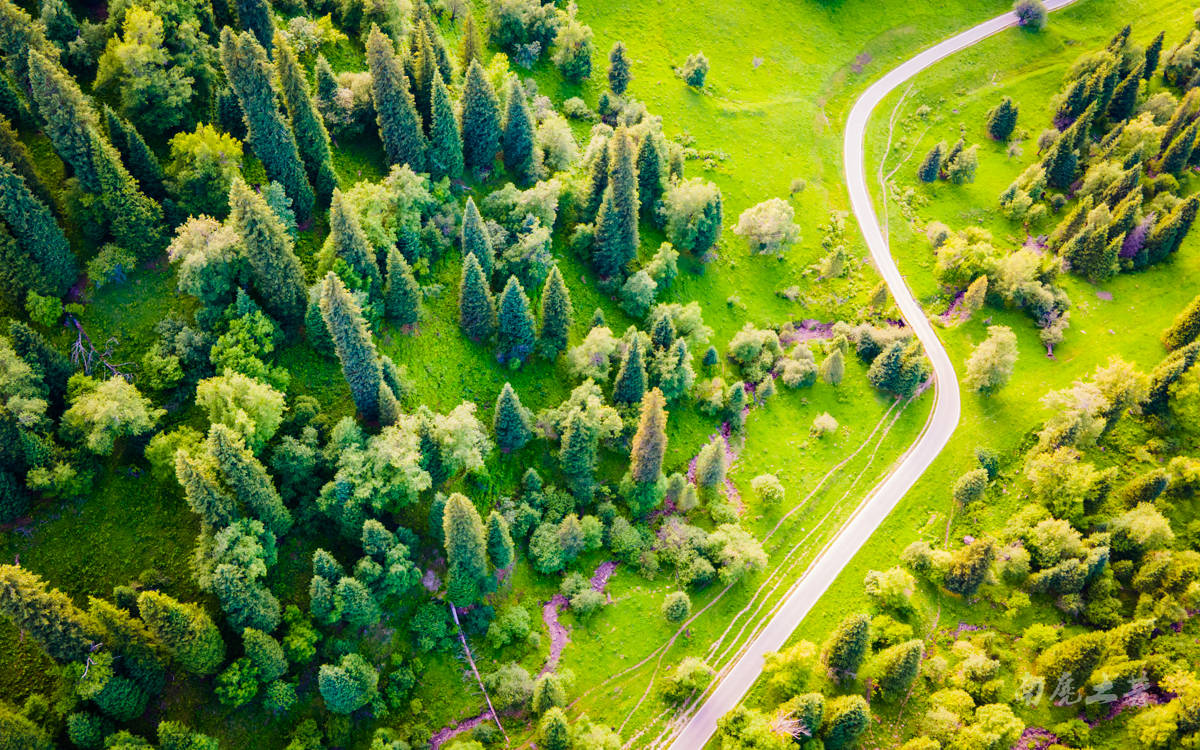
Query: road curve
943	420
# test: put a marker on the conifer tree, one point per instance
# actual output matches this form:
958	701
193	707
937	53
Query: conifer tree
1168	233
137	156
349	242
847	646
129	640
846	718
469	49
499	542
476	310
353	344
630	383
931	165
312	139
22	39
1061	162
424	68
1185	328
247	478
402	298
1125	96
556	315
514	331
466	551
184	629
13	151
45	614
617	223
276	273
650	440
476	240
134	219
578	456
833	369
711	465
1153	52
479	120
649	176
250	75
897	667
663	333
619	74
511	423
255	16
37	234
203	492
327	84
445	140
395	110
1176	157
50	365
517	141
597	182
1002	120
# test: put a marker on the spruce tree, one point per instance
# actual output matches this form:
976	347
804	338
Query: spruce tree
275	271
354	346
37	234
931	165
137	156
15	153
556	315
578	456
350	243
847	646
187	633
402	298
517	141
134	219
1002	120
499	542
466	551
897	667
511	422
663	333
21	39
514	330
47	615
650	440
1125	97
203	492
630	383
49	364
476	310
1061	162
846	718
470	46
649	176
597	183
312	139
476	240
617	223
395	110
327	84
1185	328
1176	157
619	74
440	54
252	79
255	16
479	120
247	478
445	140
1153	52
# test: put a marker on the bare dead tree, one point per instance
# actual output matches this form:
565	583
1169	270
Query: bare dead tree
85	354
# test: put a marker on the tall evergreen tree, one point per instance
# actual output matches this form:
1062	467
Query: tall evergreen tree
1002	120
476	310
276	273
1184	114
517	142
1125	96
578	456
466	551
184	629
47	615
402	298
350	243
1185	328
630	383
663	333
617	223
897	668
619	74
424	64
499	542
931	165
15	153
354	346
396	112
650	440
255	16
476	240
50	365
1165	237
1061	162
37	234
247	478
514	330
511	422
137	156
1176	157
556	315
250	75
479	120
649	176
203	492
597	182
445	140
312	139
21	39
847	646
470	46
1153	52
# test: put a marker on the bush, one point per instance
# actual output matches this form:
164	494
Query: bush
823	425
677	606
45	311
768	488
970	486
694	70
769	227
1031	14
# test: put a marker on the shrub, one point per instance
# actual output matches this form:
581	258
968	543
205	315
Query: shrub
768	488
677	606
694	70
769	227
45	311
823	425
1031	14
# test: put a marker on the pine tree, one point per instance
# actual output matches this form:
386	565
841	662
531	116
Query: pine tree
617	223
396	112
556	315
630	383
476	310
247	478
476	240
517	141
1153	52
445	140
349	242
479	120
203	492
499	542
466	551
255	16
469	49
511	422
578	456
514	331
649	176
932	164
1124	99
184	629
312	139
897	667
49	364
37	233
619	74
1176	157
847	646
354	346
137	156
250	75
650	440
1002	120
47	615
276	273
402	298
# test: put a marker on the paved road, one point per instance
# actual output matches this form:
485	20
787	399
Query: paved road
801	598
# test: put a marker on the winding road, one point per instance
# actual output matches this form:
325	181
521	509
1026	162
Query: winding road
943	419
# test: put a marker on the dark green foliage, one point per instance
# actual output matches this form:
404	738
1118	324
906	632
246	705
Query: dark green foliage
846	718
421	65
85	730
350	243
479	120
1090	254
630	383
649	176
711	357
617	222
476	310
354	346
1061	162
969	566
663	333
246	602
12	105
514	330
466	551
511	422
252	79
931	165
255	16
1177	154
897	667
847	646
137	156
1153	52
499	542
13	151
21	41
578	457
14	498
1166	374
475	239
396	112
46	615
402	297
1002	120
247	478
312	140
276	273
517	139
37	234
62	27
1185	328
619	74
899	369
556	315
650	440
128	639
204	494
1167	235
445	139
1125	96
186	632
349	685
